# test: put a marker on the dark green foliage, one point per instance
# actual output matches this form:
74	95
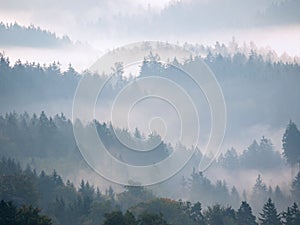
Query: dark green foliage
196	213
291	144
296	188
10	215
16	185
117	218
114	218
244	215
292	215
134	195
151	219
68	206
174	212
30	216
61	201
217	215
269	215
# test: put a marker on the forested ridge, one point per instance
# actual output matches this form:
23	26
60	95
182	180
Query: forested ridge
153	112
65	203
42	168
261	83
14	34
39	140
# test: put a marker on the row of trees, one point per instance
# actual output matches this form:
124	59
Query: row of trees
27	83
24	135
260	156
14	34
263	155
46	142
200	188
291	144
11	215
66	204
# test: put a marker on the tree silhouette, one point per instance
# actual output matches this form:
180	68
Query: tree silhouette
114	218
244	215
10	215
296	187
292	215
30	216
217	215
196	213
291	144
150	219
269	214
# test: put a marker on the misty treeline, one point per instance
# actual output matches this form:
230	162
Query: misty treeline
41	198
14	34
266	88
25	136
192	18
46	143
258	88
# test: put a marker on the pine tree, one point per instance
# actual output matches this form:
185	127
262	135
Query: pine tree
296	188
196	214
8	213
288	217
244	215
269	214
292	215
291	144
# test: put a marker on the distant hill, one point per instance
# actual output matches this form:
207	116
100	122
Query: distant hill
31	36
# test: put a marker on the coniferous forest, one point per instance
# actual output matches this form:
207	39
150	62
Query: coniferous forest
34	147
182	112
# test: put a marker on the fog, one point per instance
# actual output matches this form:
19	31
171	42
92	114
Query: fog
208	111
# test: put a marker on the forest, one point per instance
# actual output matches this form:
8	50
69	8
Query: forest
34	140
45	179
14	34
153	112
24	190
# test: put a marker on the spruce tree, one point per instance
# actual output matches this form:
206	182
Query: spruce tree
291	144
292	215
245	216
296	188
269	214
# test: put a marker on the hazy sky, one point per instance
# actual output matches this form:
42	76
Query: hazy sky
104	24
